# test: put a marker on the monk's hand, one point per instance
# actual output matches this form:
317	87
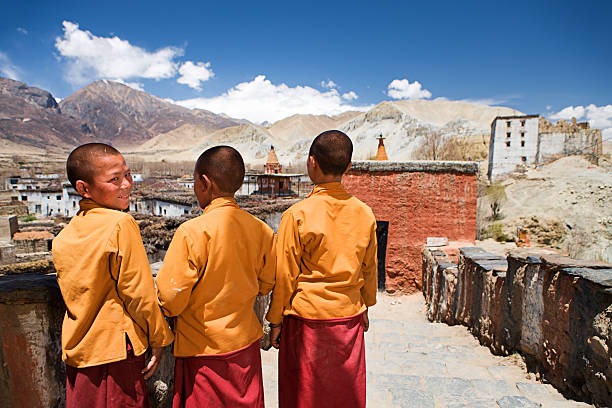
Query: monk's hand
275	333
156	355
366	321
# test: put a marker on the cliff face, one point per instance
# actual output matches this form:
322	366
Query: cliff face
128	117
36	96
31	119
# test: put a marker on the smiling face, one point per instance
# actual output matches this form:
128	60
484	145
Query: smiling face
111	182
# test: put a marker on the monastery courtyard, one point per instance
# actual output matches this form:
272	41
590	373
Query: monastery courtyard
414	363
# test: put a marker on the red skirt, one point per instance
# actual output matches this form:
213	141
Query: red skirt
119	384
223	380
321	363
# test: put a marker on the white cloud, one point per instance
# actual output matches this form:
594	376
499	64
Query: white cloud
598	116
260	100
22	30
350	96
7	69
548	107
329	84
569	112
403	89
92	57
192	74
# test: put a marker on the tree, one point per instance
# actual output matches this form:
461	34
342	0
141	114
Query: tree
431	148
497	195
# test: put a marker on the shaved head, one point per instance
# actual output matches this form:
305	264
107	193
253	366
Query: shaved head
224	165
80	163
333	150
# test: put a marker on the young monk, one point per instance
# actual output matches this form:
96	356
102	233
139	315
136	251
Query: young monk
325	281
112	315
215	266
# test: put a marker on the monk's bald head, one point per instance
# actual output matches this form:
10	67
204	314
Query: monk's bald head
333	150
82	161
224	165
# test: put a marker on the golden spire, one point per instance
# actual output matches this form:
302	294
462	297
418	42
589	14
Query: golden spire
272	159
382	153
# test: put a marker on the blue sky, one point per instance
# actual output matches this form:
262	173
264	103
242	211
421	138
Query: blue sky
265	60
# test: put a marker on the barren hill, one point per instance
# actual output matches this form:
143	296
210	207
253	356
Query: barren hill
189	141
31	121
406	124
128	117
565	204
298	127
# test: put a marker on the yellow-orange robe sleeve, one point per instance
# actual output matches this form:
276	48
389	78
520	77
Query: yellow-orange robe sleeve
288	255
370	271
130	269
267	272
179	273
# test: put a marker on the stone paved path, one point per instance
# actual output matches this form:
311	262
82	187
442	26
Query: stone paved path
414	363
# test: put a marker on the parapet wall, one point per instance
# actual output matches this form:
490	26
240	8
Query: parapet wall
32	373
554	310
418	199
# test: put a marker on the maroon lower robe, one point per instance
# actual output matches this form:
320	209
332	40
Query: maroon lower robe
321	363
119	384
223	380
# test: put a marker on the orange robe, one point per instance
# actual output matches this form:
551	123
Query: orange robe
106	282
107	286
215	266
326	257
213	270
326	278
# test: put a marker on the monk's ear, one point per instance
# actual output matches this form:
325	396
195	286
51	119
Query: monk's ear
312	162
206	182
83	189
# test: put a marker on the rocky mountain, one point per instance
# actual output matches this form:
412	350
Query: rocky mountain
31	121
125	116
404	124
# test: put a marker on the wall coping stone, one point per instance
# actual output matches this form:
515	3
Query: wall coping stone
416	166
28	288
443	265
601	277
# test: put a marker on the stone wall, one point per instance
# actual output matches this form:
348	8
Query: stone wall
32	372
419	200
554	310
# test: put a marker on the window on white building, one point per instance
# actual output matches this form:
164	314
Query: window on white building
522	123
508	143
508	123
522	143
508	134
24	198
58	197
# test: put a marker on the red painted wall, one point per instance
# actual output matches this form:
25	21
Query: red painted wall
417	205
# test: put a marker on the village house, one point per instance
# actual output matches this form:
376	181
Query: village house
161	206
51	201
532	140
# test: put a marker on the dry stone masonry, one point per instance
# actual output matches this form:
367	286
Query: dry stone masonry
554	310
